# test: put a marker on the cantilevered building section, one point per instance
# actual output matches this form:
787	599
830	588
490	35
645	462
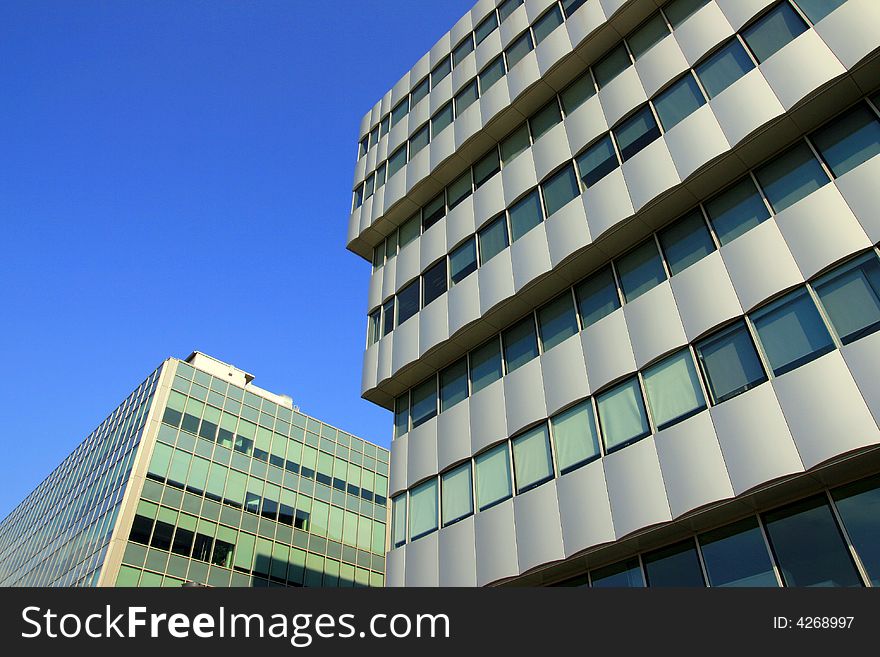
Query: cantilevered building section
201	476
625	294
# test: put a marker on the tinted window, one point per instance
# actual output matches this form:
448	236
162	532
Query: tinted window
730	363
520	344
678	11
441	71
434	282
736	555
492	73
724	68
622	415
400	110
775	29
459	189
423	509
525	214
441	119
640	270
597	296
647	35
577	93
611	65
397	161
401	415
485	365
816	10
486	27
559	189
597	161
457	501
544	119
851	297
462	50
679	101
420	91
408	302
507	7
547	23
791	176
518	49
434	211
486	167
676	565
453	384
736	210
466	97
849	140
493	239
493	482
419	140
636	132
463	261
557	321
859	508
575	438
388	316
423	402
673	390
515	143
686	241
409	230
532	465
625	574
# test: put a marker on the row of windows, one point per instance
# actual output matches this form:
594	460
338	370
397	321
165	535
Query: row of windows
715	72
806	543
773	339
844	143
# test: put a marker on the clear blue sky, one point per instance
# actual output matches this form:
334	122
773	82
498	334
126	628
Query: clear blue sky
176	175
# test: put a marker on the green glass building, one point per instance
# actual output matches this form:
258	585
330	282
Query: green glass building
200	476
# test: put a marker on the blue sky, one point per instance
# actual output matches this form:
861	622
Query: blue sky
176	175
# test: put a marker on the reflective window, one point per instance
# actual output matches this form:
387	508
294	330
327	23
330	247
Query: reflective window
597	296
453	384
397	161
532	465
851	297
486	167
492	73
519	49
506	8
730	363
808	546
463	261
557	321
622	415
434	211
678	11
859	507
571	6
420	91
407	302
466	97
378	256
515	143
575	438
525	214
424	402
725	67
375	326
459	189
673	390
773	30
611	65
493	239
493	482
368	186
545	119
485	365
462	50
400	110
409	230
679	101
401	415
676	565
577	93
547	23
816	10
791	332
384	125
636	132
358	197
686	241
736	555
441	71
456	491
441	119
434	282
418	141
560	188
625	574
380	175
647	35
486	27
520	344
791	176
423	509
597	161
640	270
736	210
388	316
849	140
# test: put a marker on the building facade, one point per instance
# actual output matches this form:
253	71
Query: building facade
625	294
202	477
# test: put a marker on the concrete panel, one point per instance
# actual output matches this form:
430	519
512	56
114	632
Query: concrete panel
607	203
567	230
745	106
663	62
654	324
464	303
530	256
524	396
565	374
454	435
702	31
496	281
622	94
496	544
705	296
863	359
850	30
790	79
695	141
538	527
457	554
608	350
422	564
649	173
434	324
862	194
635	488
488	416
398	465
584	509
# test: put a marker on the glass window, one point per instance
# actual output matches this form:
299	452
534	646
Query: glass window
612	65
525	214
816	10
636	132
723	68
466	97
453	384
424	402
676	565
384	125
791	176
492	73
851	297
859	507
459	189
493	477
441	119
401	415
506	8
679	101
407	302
419	140
409	230
547	23
485	365
440	71
622	415
515	143
532	464
493	239
380	175
597	161
730	363
462	50
486	27
560	188
486	167
557	321
640	270
597	296
678	11
368	186
545	119
736	555
773	30
647	35
423	509
388	316
456	490
577	93
625	574
518	49
396	161
673	390
520	344
791	332
359	197
375	326
571	6
463	261
420	91
434	211
737	210
391	246
575	438
363	146
378	256
849	140
686	241
434	282
400	110
808	546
